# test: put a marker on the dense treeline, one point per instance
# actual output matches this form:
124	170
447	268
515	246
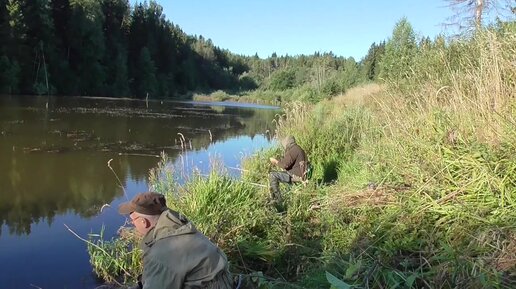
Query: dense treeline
108	48
311	78
105	48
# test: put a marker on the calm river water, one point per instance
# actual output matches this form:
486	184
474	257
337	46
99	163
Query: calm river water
54	171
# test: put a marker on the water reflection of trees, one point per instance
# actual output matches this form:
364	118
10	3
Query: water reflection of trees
47	184
55	162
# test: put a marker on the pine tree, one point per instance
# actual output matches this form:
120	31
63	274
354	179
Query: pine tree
66	81
87	47
147	84
4	27
40	39
370	63
9	75
115	27
16	48
400	50
9	70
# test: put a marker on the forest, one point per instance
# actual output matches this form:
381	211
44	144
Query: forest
109	48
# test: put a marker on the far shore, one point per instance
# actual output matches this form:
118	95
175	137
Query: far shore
198	100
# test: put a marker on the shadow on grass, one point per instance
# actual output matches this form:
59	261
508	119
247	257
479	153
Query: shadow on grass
330	171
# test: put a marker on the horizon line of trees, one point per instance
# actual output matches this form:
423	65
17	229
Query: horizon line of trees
108	48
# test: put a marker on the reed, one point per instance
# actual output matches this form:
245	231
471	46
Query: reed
444	170
116	261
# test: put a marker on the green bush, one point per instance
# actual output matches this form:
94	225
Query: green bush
282	80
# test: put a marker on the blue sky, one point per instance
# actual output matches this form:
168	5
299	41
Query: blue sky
293	27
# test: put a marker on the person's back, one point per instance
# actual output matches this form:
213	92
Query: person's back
178	255
294	162
175	254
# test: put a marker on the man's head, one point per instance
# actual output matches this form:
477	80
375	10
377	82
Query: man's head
144	210
288	141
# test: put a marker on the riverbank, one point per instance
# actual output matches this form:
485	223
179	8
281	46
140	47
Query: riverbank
413	184
220	96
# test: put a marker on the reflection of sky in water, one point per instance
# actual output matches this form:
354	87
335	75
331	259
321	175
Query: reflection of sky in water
230	153
60	260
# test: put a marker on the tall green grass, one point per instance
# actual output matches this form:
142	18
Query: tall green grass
414	188
117	261
446	150
328	135
234	214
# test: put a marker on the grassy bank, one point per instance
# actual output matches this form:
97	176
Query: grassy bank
414	183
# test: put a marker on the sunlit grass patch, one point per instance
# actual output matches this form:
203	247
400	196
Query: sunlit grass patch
359	95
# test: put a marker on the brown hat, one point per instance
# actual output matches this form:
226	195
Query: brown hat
148	203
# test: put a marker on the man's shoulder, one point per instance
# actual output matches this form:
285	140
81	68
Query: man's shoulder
182	244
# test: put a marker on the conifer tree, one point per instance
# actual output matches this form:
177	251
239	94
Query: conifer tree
147	84
87	47
400	51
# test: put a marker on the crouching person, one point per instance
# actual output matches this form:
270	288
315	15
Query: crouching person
293	163
175	254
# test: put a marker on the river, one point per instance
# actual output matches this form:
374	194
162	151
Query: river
54	155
